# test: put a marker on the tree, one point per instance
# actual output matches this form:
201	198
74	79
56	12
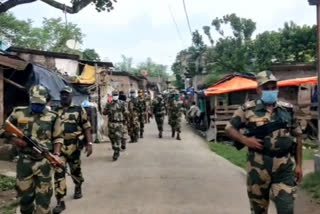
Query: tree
90	54
76	5
125	64
153	69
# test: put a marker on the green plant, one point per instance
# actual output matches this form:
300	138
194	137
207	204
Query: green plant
7	183
311	183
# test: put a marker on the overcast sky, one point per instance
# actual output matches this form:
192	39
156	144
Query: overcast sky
145	28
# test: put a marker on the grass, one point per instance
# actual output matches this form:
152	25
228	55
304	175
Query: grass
7	183
311	183
230	153
9	209
308	154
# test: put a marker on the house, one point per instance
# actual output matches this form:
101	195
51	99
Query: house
229	93
292	71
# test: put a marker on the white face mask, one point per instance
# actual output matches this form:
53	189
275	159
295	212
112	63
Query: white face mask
115	98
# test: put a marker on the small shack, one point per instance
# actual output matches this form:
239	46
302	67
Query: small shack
225	96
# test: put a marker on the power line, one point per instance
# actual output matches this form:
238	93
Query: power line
175	23
187	16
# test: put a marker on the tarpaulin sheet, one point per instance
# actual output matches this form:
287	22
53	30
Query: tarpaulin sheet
238	83
88	75
40	75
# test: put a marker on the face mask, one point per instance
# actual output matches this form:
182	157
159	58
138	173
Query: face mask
132	95
270	97
115	98
37	108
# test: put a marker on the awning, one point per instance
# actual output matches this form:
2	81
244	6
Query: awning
239	83
88	75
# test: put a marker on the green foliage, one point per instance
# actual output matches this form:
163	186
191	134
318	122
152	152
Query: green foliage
51	36
311	183
212	78
90	54
7	183
230	153
153	69
239	53
308	154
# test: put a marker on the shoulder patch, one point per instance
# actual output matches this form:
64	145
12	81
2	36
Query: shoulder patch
249	104
284	104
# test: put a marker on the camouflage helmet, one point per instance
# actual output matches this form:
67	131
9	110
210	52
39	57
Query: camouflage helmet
67	89
132	91
264	77
115	93
140	91
39	94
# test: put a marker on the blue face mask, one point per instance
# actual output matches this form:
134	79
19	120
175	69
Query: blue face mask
270	97
37	108
132	95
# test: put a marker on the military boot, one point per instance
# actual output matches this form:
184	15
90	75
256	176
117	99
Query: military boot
173	133
141	134
116	155
77	192
59	208
123	147
178	136
160	134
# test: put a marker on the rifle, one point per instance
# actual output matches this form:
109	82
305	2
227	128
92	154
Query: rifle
9	127
262	131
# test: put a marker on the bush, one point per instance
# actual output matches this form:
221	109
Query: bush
311	183
7	183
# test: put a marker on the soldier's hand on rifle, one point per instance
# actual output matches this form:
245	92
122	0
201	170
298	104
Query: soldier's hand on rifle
56	160
19	142
89	149
253	143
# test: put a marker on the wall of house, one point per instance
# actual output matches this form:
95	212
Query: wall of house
292	74
68	66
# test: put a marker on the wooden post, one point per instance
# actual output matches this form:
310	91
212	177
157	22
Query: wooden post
317	158
1	97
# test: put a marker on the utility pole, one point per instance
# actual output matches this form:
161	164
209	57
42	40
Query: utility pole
317	4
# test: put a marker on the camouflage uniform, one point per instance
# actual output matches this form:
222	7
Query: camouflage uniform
34	173
148	108
159	112
117	114
141	104
175	114
133	119
75	122
272	168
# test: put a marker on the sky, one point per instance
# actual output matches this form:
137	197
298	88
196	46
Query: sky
145	28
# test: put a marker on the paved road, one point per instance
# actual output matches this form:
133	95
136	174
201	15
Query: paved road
161	176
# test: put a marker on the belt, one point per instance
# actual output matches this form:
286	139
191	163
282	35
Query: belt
272	154
70	141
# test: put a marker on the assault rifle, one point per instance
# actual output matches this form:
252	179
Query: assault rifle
262	131
9	127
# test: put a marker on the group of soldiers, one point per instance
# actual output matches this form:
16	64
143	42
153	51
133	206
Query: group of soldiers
128	117
63	132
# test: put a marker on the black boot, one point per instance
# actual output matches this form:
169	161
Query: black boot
141	134
77	192
59	208
160	134
116	155
132	139
123	147
178	136
173	133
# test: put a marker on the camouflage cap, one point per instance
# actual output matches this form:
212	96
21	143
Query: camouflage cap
66	89
132	91
38	94
115	93
265	76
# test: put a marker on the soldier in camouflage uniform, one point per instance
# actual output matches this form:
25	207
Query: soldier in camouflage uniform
77	131
133	119
117	114
270	166
34	173
148	106
159	111
175	114
142	107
